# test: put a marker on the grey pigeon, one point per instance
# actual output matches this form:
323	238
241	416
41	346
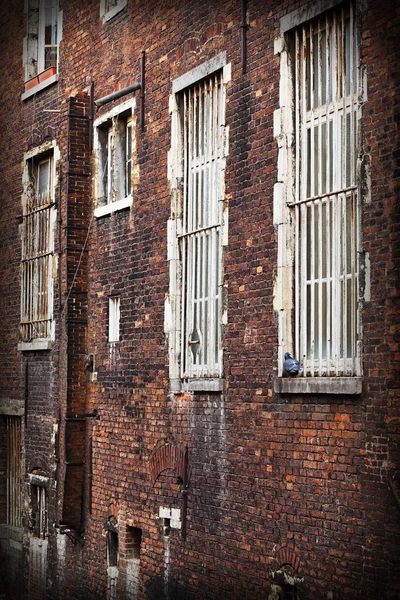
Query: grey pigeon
291	365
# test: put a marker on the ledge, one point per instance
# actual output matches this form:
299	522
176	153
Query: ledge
318	385
39	87
108	209
35	345
11	409
215	384
9	532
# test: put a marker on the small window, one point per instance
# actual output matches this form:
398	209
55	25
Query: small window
39	503
112	549
113	319
48	43
114	161
42	41
39	511
133	542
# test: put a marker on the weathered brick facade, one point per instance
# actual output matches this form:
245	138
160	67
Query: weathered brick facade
240	493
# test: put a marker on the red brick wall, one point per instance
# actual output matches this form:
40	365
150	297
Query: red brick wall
293	482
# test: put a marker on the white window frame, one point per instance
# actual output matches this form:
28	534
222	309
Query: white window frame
293	201
186	232
42	46
112	163
110	8
114	315
37	258
34	47
39	484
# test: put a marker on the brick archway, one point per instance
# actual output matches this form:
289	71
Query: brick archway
287	556
167	456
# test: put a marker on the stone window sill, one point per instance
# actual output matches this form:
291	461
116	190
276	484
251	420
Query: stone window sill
108	209
39	87
35	345
318	385
215	384
10	532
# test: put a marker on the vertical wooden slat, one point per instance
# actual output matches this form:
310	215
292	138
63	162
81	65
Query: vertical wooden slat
201	134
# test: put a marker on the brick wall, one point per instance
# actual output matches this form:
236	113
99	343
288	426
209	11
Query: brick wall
295	483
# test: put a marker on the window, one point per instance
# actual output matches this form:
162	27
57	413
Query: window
39	503
324	205
110	8
42	41
113	318
112	548
114	146
199	234
38	222
133	542
112	558
47	43
10	493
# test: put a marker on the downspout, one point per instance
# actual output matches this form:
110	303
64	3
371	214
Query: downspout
243	27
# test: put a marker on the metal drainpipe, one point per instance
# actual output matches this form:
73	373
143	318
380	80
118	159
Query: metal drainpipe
243	27
142	88
118	94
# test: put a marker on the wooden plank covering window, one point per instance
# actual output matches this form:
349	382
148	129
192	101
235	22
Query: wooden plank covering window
202	109
326	211
13	436
37	255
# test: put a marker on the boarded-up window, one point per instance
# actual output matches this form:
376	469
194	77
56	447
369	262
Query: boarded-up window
37	252
326	211
202	113
13	470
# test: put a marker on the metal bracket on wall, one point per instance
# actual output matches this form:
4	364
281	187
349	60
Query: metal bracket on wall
127	90
83	416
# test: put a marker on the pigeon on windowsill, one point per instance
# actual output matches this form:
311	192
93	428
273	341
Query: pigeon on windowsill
291	366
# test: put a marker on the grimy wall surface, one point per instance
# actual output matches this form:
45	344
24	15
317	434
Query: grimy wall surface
273	493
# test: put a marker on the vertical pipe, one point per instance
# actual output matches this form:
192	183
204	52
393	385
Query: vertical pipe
142	89
184	492
26	393
90	474
59	223
243	27
91	116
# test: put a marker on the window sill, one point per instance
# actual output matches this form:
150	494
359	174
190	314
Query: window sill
108	209
11	533
197	385
35	345
39	87
318	385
